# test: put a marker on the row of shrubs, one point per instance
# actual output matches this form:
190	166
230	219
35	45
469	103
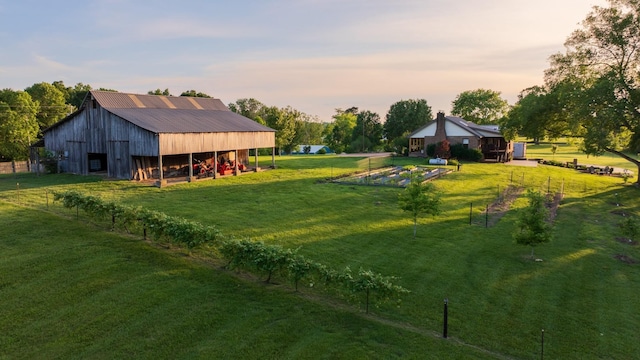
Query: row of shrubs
270	260
160	225
246	255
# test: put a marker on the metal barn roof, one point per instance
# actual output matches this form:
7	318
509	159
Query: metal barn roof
188	121
118	100
171	114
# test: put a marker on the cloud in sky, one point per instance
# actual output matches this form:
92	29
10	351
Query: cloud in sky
315	55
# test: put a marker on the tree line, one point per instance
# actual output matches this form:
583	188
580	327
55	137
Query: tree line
591	93
24	114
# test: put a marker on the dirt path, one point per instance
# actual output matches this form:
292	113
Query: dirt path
501	206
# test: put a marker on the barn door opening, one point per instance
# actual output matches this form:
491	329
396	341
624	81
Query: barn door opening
97	162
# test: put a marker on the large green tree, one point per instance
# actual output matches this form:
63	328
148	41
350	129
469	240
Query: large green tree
52	103
75	95
481	106
193	93
18	124
284	122
602	67
157	91
249	107
309	130
339	133
367	133
406	116
536	115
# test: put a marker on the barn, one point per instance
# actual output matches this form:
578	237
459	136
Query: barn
152	137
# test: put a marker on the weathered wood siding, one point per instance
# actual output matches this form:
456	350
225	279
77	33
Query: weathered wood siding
141	142
98	131
203	142
95	130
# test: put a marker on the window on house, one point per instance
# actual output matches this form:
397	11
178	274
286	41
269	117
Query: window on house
465	143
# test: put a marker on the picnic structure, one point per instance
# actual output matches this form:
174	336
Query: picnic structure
153	137
486	138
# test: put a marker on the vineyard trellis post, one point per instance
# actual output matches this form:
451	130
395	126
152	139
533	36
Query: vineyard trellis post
486	217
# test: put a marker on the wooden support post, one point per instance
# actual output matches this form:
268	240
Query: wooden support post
215	164
256	155
235	163
190	167
160	175
273	157
486	217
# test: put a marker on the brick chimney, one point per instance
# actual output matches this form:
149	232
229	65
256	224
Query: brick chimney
441	132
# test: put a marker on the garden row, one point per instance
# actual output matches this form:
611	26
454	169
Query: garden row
246	255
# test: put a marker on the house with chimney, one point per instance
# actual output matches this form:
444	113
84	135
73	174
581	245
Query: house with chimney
486	138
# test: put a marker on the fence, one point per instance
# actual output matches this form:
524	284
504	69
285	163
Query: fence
12	167
488	213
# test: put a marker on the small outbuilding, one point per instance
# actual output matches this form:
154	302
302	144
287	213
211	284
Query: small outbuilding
313	149
132	136
486	138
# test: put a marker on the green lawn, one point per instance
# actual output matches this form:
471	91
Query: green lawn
566	152
78	284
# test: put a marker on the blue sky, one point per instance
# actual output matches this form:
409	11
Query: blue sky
314	55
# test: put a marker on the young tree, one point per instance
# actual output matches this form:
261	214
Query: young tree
630	227
533	228
602	66
443	149
480	106
419	198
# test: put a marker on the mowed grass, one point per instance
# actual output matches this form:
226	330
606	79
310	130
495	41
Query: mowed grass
499	300
69	290
566	152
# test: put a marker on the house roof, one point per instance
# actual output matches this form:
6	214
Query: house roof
473	128
478	130
172	114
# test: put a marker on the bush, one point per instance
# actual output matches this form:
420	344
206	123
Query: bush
431	150
459	152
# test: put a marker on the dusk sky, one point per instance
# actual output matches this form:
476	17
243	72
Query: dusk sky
314	55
